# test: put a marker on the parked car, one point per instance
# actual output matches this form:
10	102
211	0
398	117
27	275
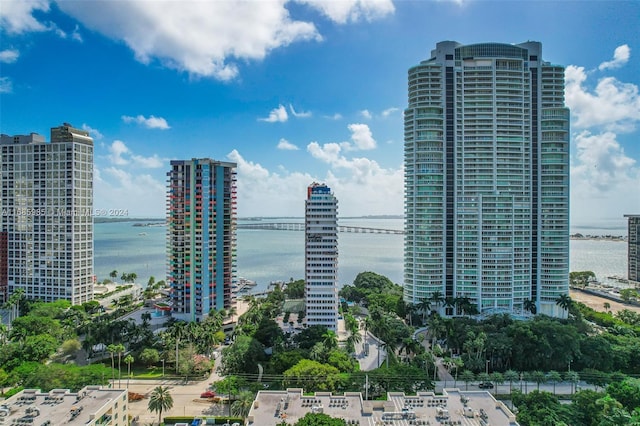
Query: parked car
208	394
486	385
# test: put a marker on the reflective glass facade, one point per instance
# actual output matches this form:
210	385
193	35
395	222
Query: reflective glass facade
487	179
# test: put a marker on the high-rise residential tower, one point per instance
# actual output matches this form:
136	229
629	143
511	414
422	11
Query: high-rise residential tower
321	257
487	179
201	236
633	250
47	220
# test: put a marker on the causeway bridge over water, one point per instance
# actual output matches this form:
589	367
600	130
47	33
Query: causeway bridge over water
297	226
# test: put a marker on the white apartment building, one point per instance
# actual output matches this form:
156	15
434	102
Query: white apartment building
47	222
91	406
321	257
487	179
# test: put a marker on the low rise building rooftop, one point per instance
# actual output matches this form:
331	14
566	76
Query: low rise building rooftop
453	407
93	405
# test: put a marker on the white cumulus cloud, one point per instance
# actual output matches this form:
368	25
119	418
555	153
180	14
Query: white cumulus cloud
121	155
16	16
9	56
115	188
344	11
601	160
207	38
360	185
116	151
6	85
151	123
612	104
602	172
387	112
361	136
334	117
620	57
277	115
286	145
366	114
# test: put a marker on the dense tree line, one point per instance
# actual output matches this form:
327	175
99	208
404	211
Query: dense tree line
617	405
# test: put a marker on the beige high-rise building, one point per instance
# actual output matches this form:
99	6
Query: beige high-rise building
47	217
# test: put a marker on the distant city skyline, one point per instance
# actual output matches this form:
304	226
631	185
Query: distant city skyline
304	91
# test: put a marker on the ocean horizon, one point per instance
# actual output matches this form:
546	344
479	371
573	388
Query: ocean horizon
273	255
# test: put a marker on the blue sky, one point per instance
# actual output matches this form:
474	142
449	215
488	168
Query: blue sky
301	91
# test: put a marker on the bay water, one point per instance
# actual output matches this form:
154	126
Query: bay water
274	255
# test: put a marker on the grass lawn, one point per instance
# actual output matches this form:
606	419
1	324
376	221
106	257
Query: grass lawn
141	372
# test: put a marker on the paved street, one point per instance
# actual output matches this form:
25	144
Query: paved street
376	355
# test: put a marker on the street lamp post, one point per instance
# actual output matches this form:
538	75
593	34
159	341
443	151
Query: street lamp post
487	367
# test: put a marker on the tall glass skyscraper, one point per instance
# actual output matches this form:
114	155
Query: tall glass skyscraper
321	257
201	236
487	179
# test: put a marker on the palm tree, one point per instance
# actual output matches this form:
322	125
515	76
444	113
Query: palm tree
353	339
511	376
564	301
410	346
390	351
424	306
113	274
330	339
450	302
607	306
530	305
497	378
538	377
573	378
554	377
160	400
4	333
458	363
410	309
467	376
128	360
231	312
112	349
13	303
242	405
120	350
437	298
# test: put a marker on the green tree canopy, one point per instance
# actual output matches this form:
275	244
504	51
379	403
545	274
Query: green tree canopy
319	419
541	409
312	376
243	356
295	289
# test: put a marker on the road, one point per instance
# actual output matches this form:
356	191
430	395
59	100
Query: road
376	355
